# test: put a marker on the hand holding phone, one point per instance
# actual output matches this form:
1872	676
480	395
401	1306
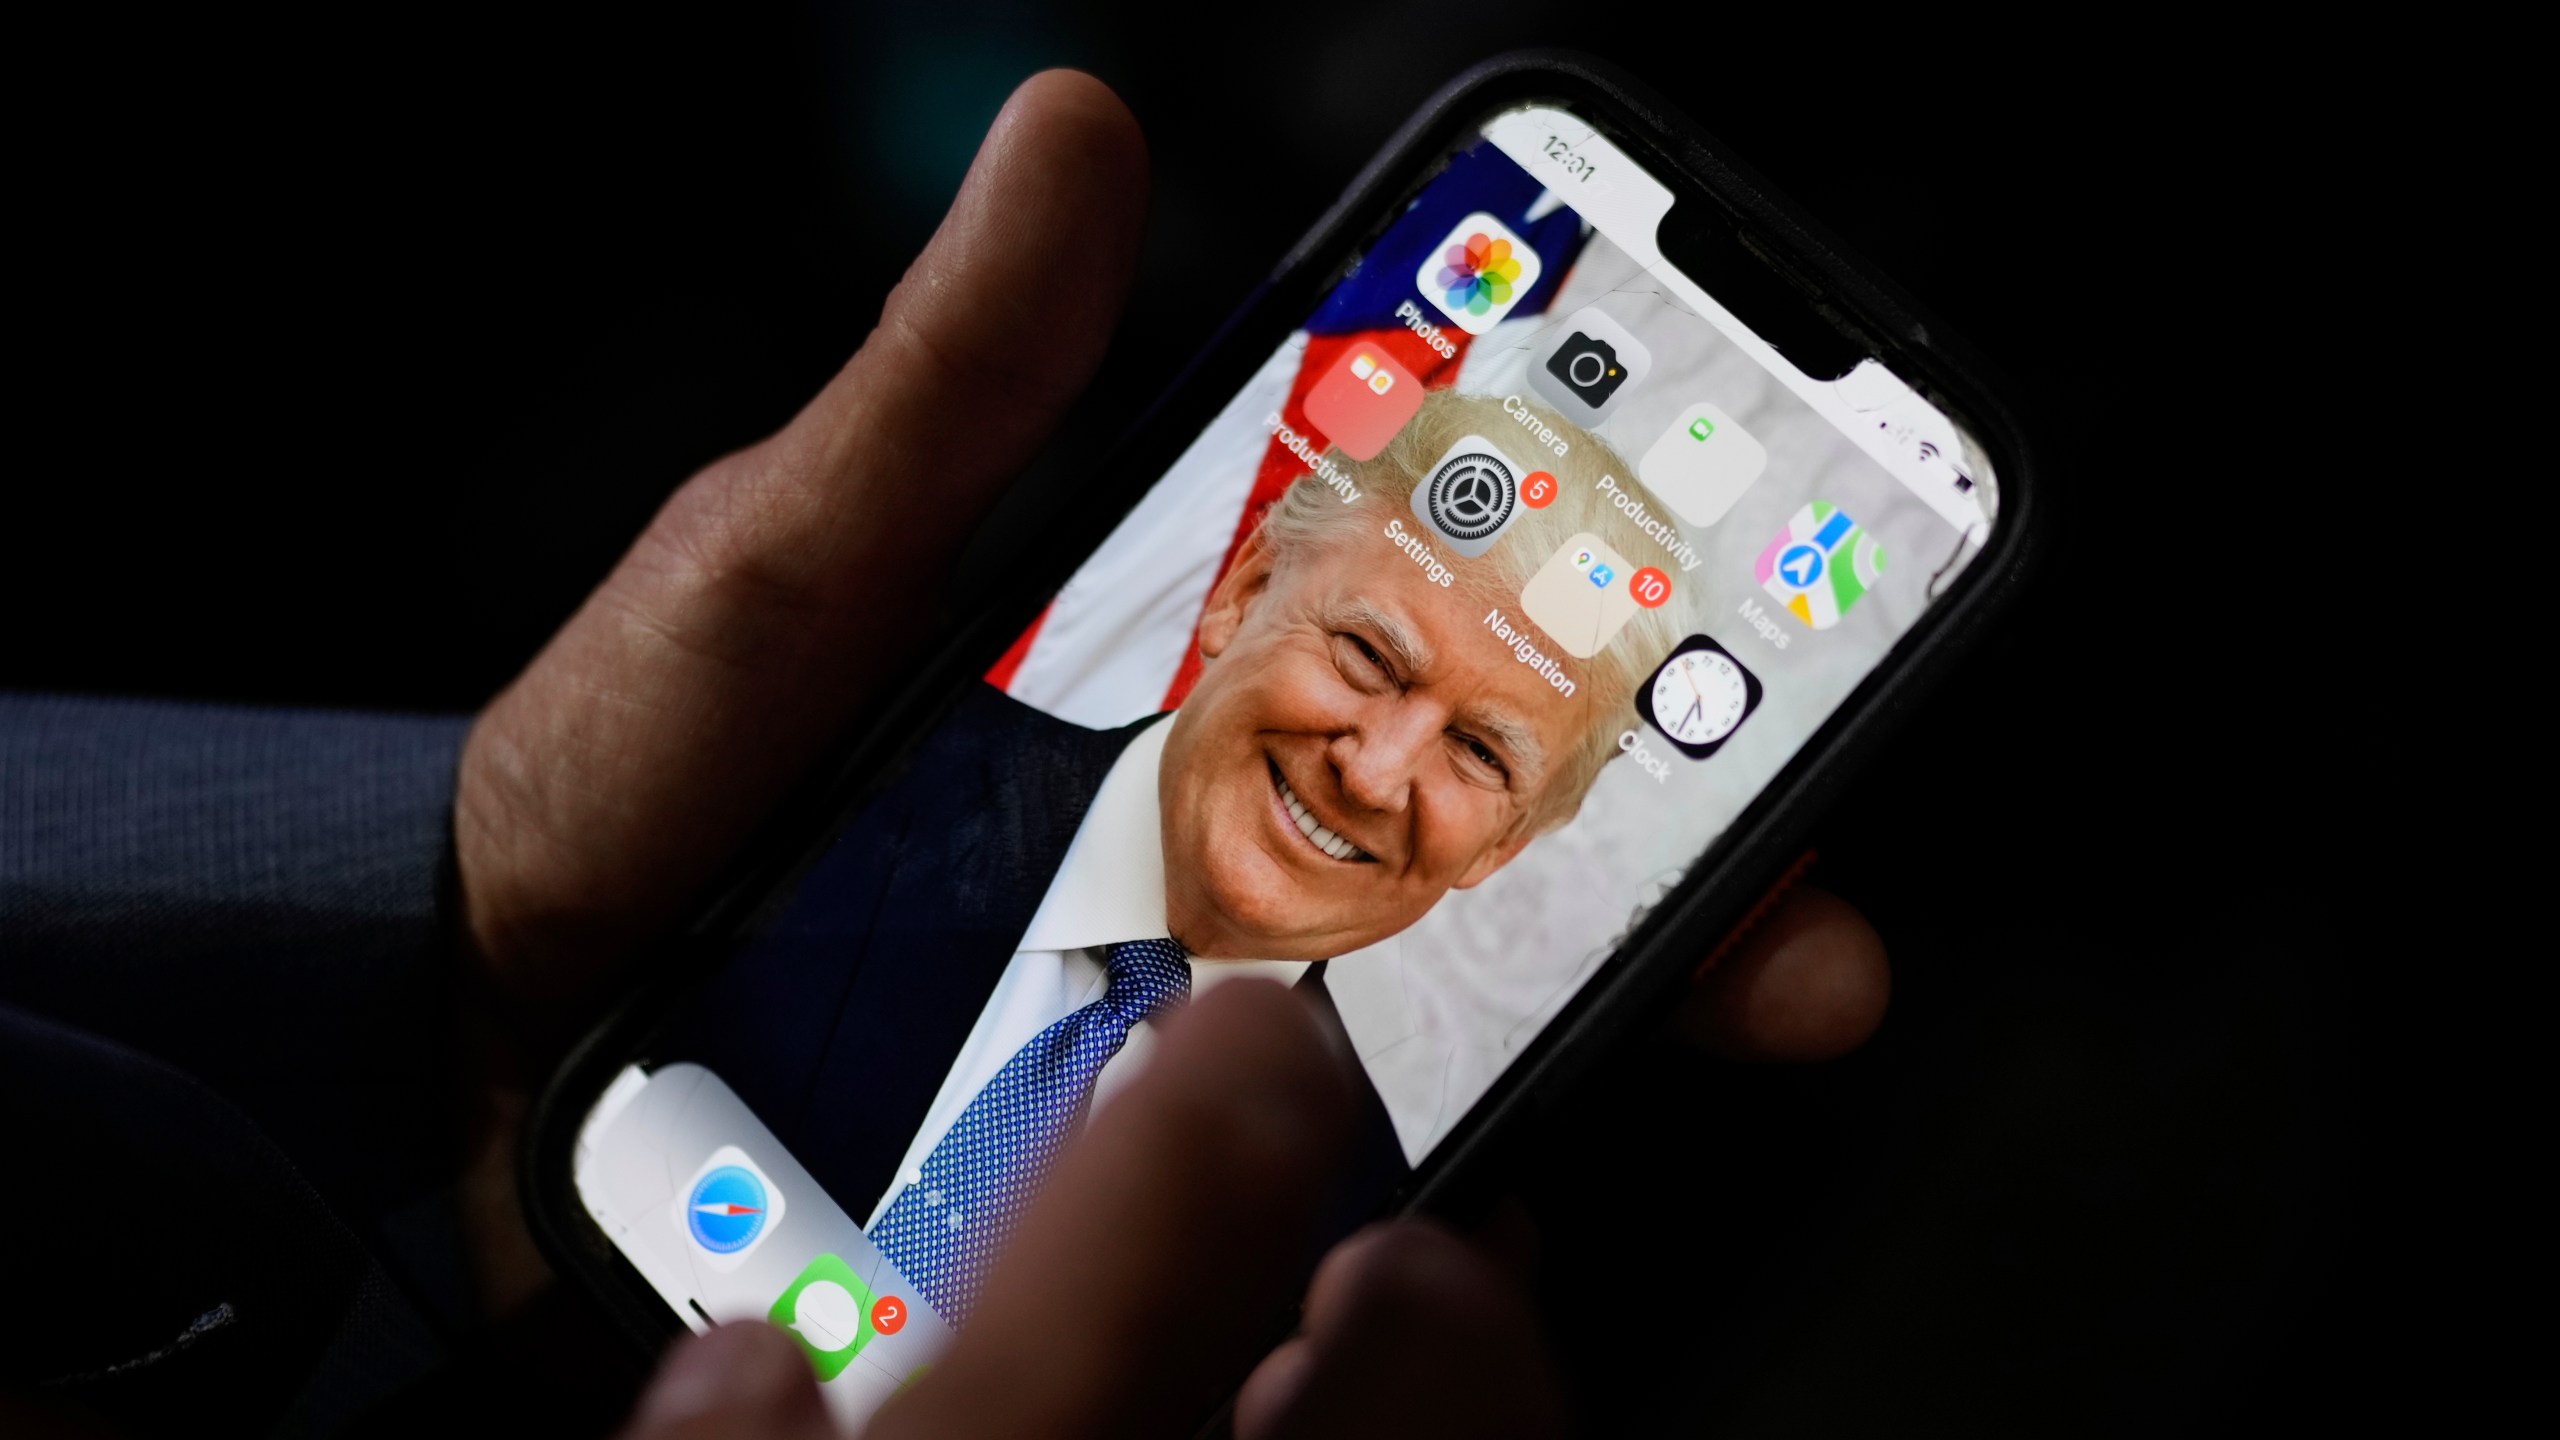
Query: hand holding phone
716	665
1226	1141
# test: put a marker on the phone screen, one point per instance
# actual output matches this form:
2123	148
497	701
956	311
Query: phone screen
1444	650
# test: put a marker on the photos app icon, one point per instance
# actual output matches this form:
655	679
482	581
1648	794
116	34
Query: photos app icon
1478	273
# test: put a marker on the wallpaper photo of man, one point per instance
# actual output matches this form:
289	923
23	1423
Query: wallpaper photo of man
972	964
1342	713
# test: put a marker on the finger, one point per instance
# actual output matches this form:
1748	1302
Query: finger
755	614
1810	981
1508	1237
1409	1330
1140	1289
744	1380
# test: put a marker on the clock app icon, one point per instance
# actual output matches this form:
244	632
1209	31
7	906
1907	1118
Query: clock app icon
1698	697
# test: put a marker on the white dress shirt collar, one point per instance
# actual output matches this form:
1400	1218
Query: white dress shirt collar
1110	888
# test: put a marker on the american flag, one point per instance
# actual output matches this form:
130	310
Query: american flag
1120	640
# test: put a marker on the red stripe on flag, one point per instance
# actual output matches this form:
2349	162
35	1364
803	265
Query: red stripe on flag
1001	673
1280	469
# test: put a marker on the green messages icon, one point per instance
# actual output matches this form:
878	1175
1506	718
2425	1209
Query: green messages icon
1701	428
828	1310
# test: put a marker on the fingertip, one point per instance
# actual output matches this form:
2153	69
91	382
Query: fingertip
1063	164
1811	982
1413	1330
1272	1388
1274	1085
746	1377
1405	1268
1086	113
1065	133
1145	1282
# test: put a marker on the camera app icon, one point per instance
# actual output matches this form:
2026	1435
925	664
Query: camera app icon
1583	366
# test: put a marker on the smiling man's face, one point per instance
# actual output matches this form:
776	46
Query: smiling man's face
1358	745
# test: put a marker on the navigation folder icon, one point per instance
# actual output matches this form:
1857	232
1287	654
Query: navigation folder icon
1581	596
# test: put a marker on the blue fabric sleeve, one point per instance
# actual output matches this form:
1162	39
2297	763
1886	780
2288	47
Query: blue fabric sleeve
123	815
251	895
224	990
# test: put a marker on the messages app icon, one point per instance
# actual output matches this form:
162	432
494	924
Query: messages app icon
828	1310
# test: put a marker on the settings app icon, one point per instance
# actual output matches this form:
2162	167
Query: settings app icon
1469	496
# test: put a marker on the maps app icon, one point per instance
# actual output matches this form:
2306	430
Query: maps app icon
1820	565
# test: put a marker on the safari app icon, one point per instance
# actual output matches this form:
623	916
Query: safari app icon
828	1310
728	1209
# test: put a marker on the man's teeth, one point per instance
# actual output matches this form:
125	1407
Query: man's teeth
1325	840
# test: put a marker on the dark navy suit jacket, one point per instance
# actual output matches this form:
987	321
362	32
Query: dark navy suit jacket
224	1050
838	1024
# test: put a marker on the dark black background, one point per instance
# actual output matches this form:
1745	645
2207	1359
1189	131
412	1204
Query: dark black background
350	354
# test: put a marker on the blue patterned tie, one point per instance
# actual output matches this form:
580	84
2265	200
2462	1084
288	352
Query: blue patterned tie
987	1169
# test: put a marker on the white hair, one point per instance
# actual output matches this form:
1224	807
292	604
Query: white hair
1309	514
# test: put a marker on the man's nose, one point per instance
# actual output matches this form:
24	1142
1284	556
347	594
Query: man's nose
1379	757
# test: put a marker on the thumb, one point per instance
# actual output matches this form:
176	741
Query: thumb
744	1380
664	720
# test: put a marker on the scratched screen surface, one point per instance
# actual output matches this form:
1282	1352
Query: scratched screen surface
1602	482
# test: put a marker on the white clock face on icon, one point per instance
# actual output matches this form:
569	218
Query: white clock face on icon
1699	697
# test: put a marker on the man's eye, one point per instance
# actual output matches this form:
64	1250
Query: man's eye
1360	656
1483	755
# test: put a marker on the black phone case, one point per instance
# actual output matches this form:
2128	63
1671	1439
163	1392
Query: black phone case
1662	955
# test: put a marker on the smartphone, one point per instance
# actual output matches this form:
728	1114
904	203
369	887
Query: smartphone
1469	638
